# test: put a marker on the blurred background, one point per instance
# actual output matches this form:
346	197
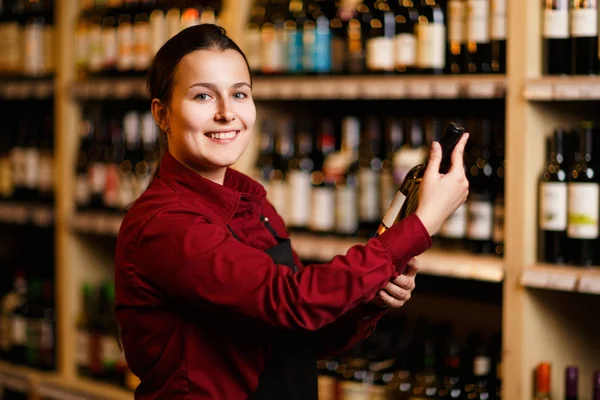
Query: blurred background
350	94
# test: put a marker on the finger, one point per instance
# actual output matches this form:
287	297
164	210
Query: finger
397	292
435	158
412	268
405	282
457	155
390	301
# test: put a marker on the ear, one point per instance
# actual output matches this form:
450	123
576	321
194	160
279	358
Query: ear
160	112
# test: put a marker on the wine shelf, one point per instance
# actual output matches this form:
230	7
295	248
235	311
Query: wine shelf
325	87
23	214
50	386
563	88
563	278
322	249
33	89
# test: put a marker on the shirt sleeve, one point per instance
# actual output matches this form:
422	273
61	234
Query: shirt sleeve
185	258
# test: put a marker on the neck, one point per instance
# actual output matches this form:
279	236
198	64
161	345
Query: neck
217	175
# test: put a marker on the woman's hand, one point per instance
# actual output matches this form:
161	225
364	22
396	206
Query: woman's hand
440	195
398	292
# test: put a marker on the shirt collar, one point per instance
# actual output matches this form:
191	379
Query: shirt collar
238	192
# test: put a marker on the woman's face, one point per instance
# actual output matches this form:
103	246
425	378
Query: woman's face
211	116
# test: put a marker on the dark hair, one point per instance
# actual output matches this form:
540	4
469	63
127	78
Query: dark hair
198	37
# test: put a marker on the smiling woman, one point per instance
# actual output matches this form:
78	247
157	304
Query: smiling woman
211	299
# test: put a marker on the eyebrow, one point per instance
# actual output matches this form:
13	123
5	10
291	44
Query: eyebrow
214	87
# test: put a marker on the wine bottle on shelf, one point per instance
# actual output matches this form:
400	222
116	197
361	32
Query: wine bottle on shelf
252	41
115	154
31	154
478	37
126	44
431	38
284	151
7	187
571	383
456	37
346	169
583	202
339	30
556	41
272	39
266	150
498	36
150	152
110	46
322	217
322	49
133	155
553	203
369	173
401	206
499	166
46	160
394	137
480	205
452	386
405	42
542	381
83	333
380	40
480	386
301	167
11	301
584	37
293	36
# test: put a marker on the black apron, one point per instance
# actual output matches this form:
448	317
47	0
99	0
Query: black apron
290	372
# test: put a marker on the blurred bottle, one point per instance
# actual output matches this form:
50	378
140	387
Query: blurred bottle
542	381
301	167
322	219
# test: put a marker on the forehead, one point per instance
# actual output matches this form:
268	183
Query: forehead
221	67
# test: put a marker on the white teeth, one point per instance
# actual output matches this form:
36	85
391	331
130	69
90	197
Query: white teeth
223	135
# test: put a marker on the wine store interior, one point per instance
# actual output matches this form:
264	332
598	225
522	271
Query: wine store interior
350	95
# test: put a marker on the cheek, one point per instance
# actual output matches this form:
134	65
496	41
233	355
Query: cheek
192	116
247	113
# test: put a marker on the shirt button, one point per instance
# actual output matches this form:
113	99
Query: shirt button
366	318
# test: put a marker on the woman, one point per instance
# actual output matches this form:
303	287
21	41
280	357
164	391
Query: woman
211	299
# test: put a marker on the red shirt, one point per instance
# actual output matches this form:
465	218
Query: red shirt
197	307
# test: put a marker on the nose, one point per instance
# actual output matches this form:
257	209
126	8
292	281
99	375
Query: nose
224	112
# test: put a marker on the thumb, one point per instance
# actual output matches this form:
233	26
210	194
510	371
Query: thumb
435	158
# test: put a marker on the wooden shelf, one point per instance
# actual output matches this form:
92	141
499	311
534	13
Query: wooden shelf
572	88
26	89
22	379
23	214
97	223
325	87
436	262
563	278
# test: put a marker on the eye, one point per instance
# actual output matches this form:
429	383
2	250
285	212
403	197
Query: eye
240	96
202	97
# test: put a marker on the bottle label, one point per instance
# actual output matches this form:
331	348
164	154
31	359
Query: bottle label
456	18
481	365
323	47
111	187
252	45
110	351
7	186
82	190
498	236
19	330
583	210
584	22
480	214
368	201
498	20
97	177
33	62
293	42
478	21
158	31
126	46
32	168
431	47
278	197
406	49
556	24
455	226
95	48
273	50
299	190
322	209
346	207
553	206
110	47
380	54
142	46
46	174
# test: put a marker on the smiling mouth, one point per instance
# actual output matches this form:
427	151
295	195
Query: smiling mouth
222	136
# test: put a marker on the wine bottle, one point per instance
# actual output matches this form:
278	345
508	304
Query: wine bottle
322	217
252	43
584	37
557	44
83	334
431	38
300	168
583	196
542	381
405	42
272	39
356	41
498	36
394	137
456	37
346	169
266	150
380	41
478	37
571	383
401	208
292	29
553	203
369	177
284	151
322	50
